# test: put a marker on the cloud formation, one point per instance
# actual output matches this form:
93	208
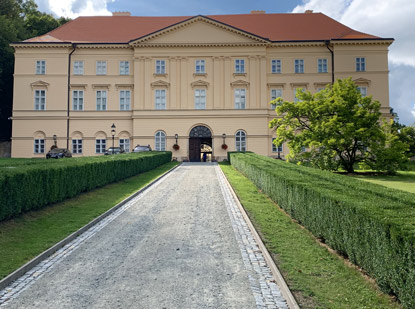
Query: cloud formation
74	8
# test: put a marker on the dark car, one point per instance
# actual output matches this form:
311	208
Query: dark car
114	150
57	153
139	148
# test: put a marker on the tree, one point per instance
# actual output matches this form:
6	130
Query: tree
339	128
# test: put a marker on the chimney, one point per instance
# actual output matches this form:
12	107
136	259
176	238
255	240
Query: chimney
121	14
257	12
309	11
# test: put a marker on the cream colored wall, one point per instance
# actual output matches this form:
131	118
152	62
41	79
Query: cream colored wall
180	117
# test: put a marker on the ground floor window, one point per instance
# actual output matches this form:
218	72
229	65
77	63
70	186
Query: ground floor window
100	145
125	144
276	148
160	141
39	146
76	146
240	141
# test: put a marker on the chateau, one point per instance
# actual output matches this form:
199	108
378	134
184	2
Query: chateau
203	82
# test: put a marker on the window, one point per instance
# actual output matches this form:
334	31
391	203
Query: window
78	68
299	66
240	98
276	148
239	66
100	145
160	66
322	65
295	94
125	98
101	67
275	66
39	146
240	141
200	66
200	98
40	100
41	67
362	90
124	68
360	64
101	100
275	93
125	144
160	141
78	100
160	98
76	146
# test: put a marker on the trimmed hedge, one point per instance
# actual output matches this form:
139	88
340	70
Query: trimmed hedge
372	225
30	185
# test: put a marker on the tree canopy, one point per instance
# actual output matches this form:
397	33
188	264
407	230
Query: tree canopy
339	128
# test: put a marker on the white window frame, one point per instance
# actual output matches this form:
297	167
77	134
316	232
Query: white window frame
101	67
276	66
40	67
125	100
360	64
100	145
160	99
240	98
40	100
200	66
276	148
322	65
161	66
240	140
78	67
125	144
101	100
77	100
362	90
160	141
299	66
39	145
77	146
200	98
275	93
240	66
124	68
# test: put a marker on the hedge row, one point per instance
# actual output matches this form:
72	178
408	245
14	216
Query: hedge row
372	225
26	187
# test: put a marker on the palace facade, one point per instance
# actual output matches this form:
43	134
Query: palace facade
200	81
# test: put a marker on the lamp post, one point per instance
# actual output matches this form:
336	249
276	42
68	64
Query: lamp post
176	136
113	136
54	140
224	137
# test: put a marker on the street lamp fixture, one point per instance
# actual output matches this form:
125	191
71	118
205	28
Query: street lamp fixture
224	137
113	136
55	140
176	136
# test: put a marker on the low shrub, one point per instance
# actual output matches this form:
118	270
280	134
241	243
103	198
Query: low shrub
29	185
372	225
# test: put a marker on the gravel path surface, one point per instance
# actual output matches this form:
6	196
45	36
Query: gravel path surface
173	247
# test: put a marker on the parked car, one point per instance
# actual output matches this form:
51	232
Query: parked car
57	153
139	148
114	150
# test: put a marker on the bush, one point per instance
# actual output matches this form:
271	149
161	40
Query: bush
372	225
27	184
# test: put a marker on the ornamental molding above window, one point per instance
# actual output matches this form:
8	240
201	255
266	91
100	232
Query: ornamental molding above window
160	83
321	84
107	86
299	85
240	83
79	86
276	85
124	86
39	83
362	81
199	83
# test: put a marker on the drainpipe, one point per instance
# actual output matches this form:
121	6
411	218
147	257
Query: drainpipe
332	60
69	94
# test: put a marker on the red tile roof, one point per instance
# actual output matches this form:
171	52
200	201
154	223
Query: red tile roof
274	27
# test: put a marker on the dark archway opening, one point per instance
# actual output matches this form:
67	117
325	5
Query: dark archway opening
200	144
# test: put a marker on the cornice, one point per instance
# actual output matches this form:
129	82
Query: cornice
39	83
362	81
178	45
199	83
276	85
160	83
299	84
78	86
124	86
240	83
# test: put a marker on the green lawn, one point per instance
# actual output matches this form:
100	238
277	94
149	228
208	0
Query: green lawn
317	278
26	236
403	180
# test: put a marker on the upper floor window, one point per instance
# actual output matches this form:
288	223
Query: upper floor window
124	68
275	93
322	65
160	66
275	66
276	148
100	145
239	66
78	68
160	141
240	141
125	99
360	64
125	144
160	98
295	94
362	90
39	146
41	67
299	65
101	100
40	100
200	66
200	98
77	146
78	100
240	98
101	67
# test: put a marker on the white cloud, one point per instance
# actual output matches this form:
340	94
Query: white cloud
74	8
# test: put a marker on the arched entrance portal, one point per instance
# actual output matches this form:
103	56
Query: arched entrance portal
200	144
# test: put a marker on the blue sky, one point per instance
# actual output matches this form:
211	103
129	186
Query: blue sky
385	18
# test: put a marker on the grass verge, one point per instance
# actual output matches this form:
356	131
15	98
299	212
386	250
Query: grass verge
317	278
403	180
26	236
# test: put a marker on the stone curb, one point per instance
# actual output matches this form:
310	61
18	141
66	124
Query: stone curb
291	302
5	282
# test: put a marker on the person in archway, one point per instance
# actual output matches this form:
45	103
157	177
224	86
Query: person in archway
204	157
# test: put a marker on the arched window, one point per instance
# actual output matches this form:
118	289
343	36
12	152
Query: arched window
240	141
160	141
